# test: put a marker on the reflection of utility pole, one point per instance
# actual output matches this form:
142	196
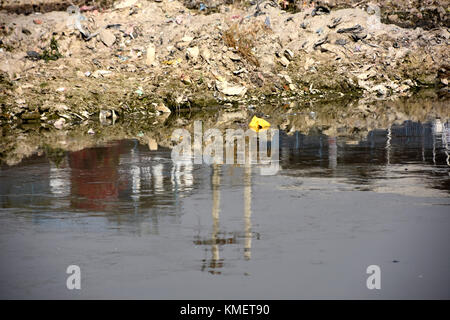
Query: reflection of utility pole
215	215
332	152
248	211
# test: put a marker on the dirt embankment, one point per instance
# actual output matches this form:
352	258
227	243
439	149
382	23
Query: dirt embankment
144	57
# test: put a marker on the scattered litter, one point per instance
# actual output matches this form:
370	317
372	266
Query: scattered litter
267	22
139	91
258	124
356	28
334	23
319	10
173	62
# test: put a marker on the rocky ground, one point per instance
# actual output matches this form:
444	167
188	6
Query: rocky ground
143	58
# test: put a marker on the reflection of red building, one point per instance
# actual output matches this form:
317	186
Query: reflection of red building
94	177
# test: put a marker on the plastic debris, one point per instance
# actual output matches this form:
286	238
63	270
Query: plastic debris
173	62
77	17
139	91
267	22
319	10
258	124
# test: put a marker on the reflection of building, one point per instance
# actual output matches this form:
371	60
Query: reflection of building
126	180
94	178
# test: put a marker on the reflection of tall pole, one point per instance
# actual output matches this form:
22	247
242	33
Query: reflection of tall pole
248	211
332	152
215	213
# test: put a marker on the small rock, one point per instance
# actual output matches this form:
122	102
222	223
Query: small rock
226	89
289	54
192	53
287	78
101	73
107	37
103	115
393	18
125	4
30	115
206	54
235	57
284	61
59	124
152	144
151	55
380	89
187	39
162	108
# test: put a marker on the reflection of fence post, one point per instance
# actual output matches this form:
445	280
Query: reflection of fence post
215	212
248	211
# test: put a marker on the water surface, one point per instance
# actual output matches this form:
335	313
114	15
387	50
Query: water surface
141	227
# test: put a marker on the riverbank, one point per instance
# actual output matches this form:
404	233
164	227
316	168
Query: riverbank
149	58
343	118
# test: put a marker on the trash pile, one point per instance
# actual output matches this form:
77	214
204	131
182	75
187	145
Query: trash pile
152	57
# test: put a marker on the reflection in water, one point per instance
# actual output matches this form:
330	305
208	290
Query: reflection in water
217	238
126	183
95	180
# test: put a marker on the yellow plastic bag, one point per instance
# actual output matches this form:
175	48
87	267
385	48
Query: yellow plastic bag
258	124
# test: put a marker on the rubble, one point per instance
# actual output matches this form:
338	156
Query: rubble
185	58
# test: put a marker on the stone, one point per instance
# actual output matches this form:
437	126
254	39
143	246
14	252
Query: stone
289	54
234	57
125	4
229	90
59	124
187	39
284	61
192	53
162	108
103	115
206	54
107	37
152	144
150	59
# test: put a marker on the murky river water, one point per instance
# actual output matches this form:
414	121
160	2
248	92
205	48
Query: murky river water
139	226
